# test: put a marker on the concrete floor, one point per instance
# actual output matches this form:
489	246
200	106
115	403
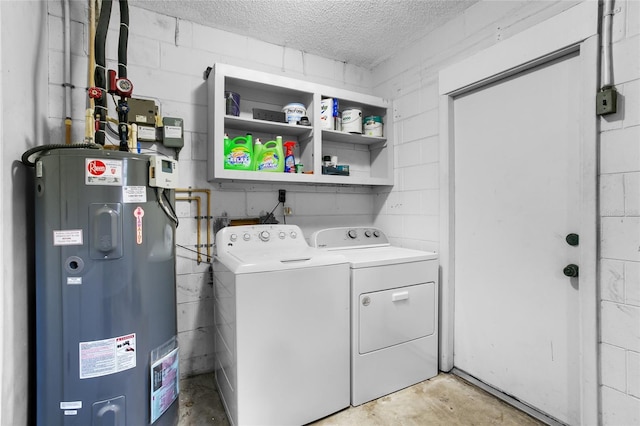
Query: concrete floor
444	400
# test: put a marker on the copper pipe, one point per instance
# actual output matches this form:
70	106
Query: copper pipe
208	218
197	200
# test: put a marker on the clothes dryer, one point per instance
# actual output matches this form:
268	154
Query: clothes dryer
394	311
282	326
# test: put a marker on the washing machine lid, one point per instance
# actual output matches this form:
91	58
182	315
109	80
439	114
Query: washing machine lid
265	248
252	261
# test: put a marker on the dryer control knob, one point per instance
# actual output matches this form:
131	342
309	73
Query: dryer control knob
352	234
294	235
282	235
376	234
233	237
264	235
367	233
246	237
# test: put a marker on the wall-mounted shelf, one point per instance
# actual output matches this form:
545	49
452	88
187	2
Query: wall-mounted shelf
370	158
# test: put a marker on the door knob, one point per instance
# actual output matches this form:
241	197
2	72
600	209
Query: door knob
572	239
571	270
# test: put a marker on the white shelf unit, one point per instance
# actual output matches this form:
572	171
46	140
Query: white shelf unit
370	159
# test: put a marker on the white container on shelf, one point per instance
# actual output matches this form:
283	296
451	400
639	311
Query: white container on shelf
373	125
328	113
352	121
294	112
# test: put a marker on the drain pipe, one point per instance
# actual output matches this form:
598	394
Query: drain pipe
67	72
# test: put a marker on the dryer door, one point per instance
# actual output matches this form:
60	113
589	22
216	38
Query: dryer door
391	317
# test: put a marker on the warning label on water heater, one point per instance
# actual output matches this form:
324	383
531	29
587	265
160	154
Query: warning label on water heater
108	356
103	172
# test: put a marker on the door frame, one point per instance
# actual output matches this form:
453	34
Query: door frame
575	29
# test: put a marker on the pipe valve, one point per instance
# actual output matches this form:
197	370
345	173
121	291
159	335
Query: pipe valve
95	93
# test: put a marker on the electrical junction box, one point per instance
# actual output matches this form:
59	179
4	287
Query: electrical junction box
142	112
172	132
163	172
606	101
146	133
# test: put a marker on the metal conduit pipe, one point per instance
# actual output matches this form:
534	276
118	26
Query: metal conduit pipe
67	72
208	217
197	200
607	72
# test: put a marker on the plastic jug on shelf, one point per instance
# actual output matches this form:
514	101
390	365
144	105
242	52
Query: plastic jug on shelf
270	158
238	152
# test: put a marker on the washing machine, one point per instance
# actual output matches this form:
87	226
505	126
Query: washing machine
394	310
282	326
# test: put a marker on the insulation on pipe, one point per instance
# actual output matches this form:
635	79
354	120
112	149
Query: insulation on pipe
123	39
123	107
100	112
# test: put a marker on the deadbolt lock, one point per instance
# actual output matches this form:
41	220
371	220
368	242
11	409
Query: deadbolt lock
572	239
571	270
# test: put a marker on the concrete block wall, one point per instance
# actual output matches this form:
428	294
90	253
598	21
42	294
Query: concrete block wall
620	222
167	58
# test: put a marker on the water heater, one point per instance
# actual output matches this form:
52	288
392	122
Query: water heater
106	346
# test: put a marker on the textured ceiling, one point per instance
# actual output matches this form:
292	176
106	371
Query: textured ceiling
359	32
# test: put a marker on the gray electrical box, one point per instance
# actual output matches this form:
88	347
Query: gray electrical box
142	112
173	132
606	101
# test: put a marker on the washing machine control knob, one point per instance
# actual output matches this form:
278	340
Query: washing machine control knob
233	237
294	235
367	233
282	235
352	234
246	236
376	234
264	235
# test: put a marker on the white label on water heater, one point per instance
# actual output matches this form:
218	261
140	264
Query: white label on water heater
109	356
134	194
70	405
67	237
102	171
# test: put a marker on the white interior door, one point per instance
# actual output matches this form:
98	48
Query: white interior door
516	197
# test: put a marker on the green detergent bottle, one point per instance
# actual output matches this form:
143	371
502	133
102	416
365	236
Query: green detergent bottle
270	158
238	152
